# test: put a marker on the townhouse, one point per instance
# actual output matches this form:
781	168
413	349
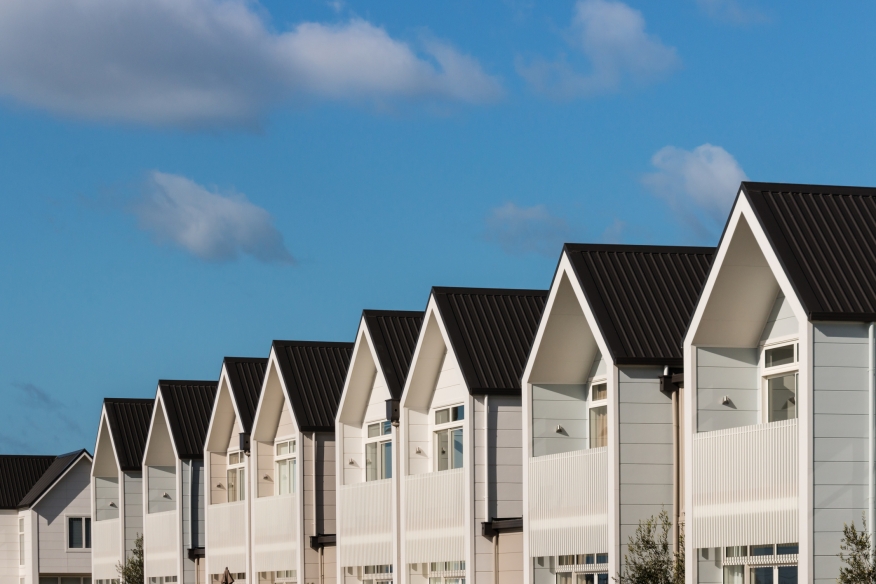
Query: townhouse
293	450
117	484
601	447
45	519
366	441
173	482
779	379
460	448
229	467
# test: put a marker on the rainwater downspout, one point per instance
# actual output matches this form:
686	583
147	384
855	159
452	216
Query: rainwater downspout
676	514
871	414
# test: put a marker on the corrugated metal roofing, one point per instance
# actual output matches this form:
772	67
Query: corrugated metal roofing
58	467
825	239
246	376
642	297
394	334
128	421
314	374
18	475
491	331
189	405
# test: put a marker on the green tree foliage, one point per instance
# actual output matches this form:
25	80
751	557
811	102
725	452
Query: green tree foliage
855	554
650	558
131	572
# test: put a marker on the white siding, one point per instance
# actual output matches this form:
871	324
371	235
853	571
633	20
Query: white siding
9	546
781	322
505	466
133	508
418	437
563	405
726	372
226	539
434	516
106	498
275	537
106	548
353	435
319	506
840	389
161	545
365	538
161	482
69	497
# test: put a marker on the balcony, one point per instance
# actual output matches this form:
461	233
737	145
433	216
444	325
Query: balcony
365	524
106	549
161	545
435	516
226	537
275	533
745	485
568	503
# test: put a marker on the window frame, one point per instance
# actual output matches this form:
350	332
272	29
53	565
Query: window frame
292	456
593	404
746	561
385	437
87	534
447	428
767	373
239	470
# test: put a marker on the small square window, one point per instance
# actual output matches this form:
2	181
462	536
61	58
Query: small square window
784	549
601	558
761	550
738	551
785	355
599	391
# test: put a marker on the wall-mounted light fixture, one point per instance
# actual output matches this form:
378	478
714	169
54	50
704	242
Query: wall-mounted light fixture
559	429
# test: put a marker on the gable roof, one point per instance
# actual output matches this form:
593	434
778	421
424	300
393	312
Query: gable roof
189	405
128	421
642	297
314	374
246	375
51	475
825	240
18	474
394	334
491	331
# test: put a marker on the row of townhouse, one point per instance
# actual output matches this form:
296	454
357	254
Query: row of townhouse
520	436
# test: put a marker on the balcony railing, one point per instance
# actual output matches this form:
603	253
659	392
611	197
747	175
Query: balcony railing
161	545
226	537
106	549
435	516
365	524
275	533
745	485
568	503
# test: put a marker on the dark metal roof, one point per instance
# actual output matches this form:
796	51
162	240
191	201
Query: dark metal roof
18	474
128	421
189	405
246	376
314	373
825	239
58	467
491	331
642	297
394	334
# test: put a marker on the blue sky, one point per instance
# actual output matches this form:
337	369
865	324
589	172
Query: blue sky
190	179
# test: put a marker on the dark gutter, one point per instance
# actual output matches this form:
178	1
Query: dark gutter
323	540
196	553
501	525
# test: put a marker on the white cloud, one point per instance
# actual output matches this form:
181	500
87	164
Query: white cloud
612	36
211	62
208	225
700	184
521	230
731	11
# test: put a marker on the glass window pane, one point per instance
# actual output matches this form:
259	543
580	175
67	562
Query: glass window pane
564	578
386	463
283	448
373	430
442	450
787	574
371	461
779	356
601	558
292	447
387	428
48	580
736	551
293	475
734	574
457	413
241	484
603	577
74	531
787	548
591	559
231	487
599	391
283	477
442	416
598	427
783	397
88	532
457	448
70	581
761	575
20	549
761	550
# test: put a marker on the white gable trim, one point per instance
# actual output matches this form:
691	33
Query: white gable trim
159	400
60	478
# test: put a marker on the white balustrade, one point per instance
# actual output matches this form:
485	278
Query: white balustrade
275	533
106	548
226	537
365	523
435	516
161	544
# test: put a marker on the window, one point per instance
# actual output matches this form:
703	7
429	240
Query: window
377	575
238	577
448	439
598	414
764	564
160	579
236	477
378	452
285	464
278	577
582	569
107	581
780	382
78	533
447	573
21	541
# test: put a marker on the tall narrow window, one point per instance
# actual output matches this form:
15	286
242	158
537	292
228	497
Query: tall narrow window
448	438
378	452
285	463
598	415
236	475
78	533
21	541
780	382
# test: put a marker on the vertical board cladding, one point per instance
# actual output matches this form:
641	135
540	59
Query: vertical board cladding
559	418
70	497
365	536
226	538
275	533
645	432
726	372
133	509
106	498
197	490
505	456
161	545
435	516
105	548
9	552
840	442
162	488
781	322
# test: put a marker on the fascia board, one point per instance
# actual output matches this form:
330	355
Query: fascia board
61	477
431	308
104	423
272	362
225	382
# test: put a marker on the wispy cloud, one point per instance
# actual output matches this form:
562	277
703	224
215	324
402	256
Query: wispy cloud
522	230
195	63
209	225
699	184
614	232
612	36
35	397
731	11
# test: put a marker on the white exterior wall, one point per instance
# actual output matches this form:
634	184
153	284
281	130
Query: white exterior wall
10	567
71	496
133	491
319	502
